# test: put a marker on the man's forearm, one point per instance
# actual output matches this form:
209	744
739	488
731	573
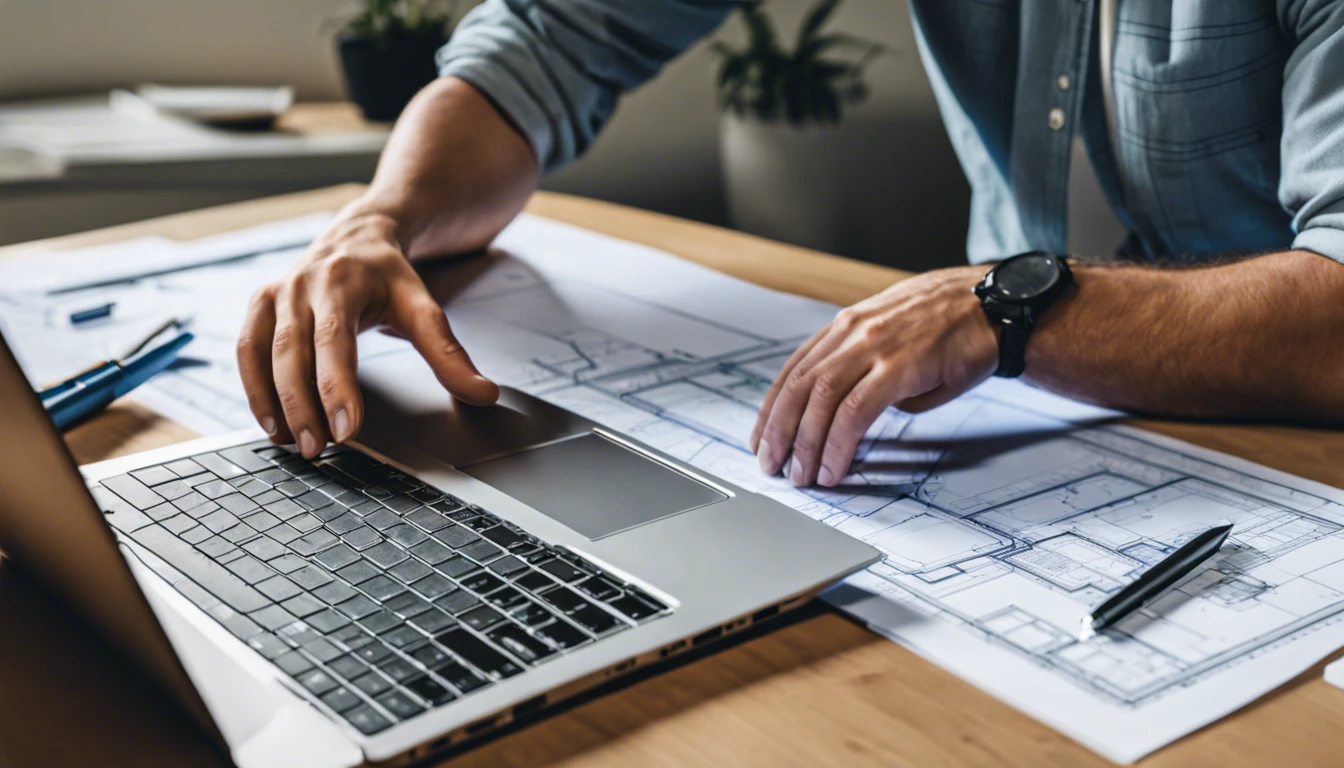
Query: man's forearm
454	172
1258	337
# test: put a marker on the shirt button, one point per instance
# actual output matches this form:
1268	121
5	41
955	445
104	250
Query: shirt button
1063	82
1056	119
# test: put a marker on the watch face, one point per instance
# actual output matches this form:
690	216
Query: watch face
1025	277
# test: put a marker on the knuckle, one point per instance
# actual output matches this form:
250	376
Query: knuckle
875	329
339	267
805	446
328	330
846	318
328	386
799	380
290	402
283	341
825	387
851	408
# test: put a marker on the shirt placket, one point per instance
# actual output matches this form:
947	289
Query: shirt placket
1054	44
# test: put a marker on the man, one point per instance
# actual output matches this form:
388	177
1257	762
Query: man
1216	127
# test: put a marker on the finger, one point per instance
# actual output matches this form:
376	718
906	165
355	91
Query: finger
831	387
336	361
254	365
422	321
773	391
855	414
794	390
292	363
935	397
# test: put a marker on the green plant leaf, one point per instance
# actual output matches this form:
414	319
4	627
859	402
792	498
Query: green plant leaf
815	19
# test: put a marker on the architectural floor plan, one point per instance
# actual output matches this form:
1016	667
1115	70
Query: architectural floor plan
1004	516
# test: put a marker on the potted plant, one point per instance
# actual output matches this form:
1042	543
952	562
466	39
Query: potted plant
387	50
778	134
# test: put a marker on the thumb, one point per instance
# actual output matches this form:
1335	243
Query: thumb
422	322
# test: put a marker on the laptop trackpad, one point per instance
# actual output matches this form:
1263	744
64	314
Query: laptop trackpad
594	485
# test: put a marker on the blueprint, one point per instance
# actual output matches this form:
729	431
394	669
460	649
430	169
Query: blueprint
1004	516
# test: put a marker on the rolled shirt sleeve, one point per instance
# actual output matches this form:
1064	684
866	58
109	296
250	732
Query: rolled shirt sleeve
556	68
1311	183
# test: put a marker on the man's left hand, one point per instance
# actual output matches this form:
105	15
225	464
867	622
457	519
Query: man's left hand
916	345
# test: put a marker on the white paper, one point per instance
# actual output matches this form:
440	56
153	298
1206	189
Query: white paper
1027	511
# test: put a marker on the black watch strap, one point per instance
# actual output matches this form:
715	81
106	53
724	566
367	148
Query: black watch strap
1013	350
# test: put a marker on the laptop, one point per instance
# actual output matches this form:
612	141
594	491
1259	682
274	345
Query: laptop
458	569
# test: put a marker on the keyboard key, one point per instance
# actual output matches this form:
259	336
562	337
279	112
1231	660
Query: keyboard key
405	535
382	520
238	504
455	567
534	581
219	465
328	514
398	669
345	523
313	543
503	536
278	588
361	538
184	468
357	607
200	569
288	563
482	552
531	614
409	571
429	690
327	621
304	523
425	495
302	605
507	565
160	512
356	572
371	684
283	533
215	547
427	520
196	535
400	704
634	608
239	533
380	621
402	637
348	666
430	656
245	457
432	621
367	720
153	475
457	602
481	582
433	586
173	489
564	599
189	502
272	476
317	681
313	499
506	598
269	497
263	521
381	588
460	677
406	605
352	637
398	503
366	508
272	617
385	554
373	653
456	536
598	587
477	653
337	558
310	577
341	700
562	635
293	663
293	488
561	570
335	593
480	523
267	645
594	619
322	649
179	523
431	552
513	639
481	618
265	549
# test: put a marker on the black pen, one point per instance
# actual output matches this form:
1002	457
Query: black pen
1155	581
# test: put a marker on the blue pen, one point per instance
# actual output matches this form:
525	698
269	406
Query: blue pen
94	389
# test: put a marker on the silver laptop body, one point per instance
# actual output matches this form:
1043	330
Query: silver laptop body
692	558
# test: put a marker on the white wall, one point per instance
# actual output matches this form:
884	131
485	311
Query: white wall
659	152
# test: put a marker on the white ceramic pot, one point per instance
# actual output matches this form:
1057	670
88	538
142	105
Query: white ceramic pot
782	182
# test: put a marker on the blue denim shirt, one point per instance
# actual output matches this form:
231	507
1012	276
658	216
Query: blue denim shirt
1229	114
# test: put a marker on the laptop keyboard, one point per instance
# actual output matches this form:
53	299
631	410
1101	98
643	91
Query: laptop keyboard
380	596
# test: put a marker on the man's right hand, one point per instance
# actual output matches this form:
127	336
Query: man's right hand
297	351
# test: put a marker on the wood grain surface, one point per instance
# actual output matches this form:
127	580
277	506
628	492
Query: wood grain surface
816	691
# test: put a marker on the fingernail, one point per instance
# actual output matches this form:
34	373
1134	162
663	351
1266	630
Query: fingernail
268	424
825	476
796	472
307	444
763	457
340	424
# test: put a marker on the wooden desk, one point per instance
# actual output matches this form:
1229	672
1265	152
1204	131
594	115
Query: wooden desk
819	692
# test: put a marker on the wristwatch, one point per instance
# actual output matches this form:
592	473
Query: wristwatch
1014	294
